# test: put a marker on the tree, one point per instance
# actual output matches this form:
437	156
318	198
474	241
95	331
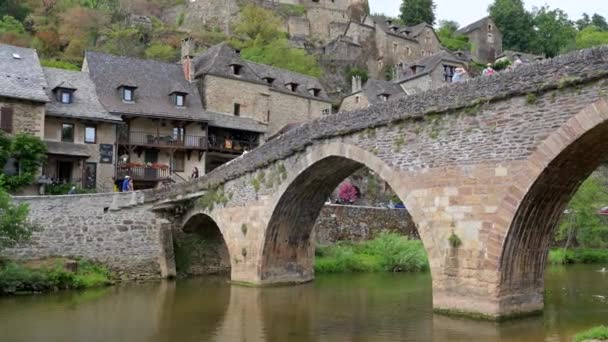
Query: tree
348	193
450	39
280	54
161	52
514	22
10	24
259	24
591	36
124	41
28	151
14	8
553	31
583	22
599	22
414	12
14	226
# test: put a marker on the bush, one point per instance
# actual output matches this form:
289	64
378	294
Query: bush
578	256
63	189
386	253
17	278
596	333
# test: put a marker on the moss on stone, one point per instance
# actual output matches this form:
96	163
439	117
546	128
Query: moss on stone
485	317
454	240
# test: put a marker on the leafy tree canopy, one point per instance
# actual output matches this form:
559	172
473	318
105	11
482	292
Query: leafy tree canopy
591	36
162	52
14	226
414	12
514	22
28	151
553	30
10	24
450	39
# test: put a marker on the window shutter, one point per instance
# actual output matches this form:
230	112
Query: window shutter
6	119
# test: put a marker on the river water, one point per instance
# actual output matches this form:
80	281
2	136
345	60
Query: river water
351	307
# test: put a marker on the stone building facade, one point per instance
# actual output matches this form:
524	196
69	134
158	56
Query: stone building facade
485	39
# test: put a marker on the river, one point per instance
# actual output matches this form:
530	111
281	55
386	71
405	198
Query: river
349	307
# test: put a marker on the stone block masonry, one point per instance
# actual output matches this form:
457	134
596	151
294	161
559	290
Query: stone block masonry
134	242
356	223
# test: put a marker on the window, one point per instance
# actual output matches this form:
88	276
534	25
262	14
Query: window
67	132
179	133
237	109
65	96
128	94
383	97
315	92
90	176
90	134
408	50
236	69
490	28
180	100
448	72
269	80
423	53
325	112
490	38
395	47
179	161
6	119
292	86
357	99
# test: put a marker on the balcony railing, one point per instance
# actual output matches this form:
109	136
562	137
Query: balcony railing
144	173
230	145
152	139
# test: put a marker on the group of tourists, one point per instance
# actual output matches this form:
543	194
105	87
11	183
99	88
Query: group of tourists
489	70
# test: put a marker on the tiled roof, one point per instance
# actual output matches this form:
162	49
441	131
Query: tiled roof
235	122
21	75
374	88
218	59
473	26
155	81
85	103
429	64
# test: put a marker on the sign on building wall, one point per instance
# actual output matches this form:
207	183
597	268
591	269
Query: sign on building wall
106	153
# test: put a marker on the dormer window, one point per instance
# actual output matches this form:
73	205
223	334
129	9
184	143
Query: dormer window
180	100
292	86
236	69
269	80
65	96
314	92
128	93
384	97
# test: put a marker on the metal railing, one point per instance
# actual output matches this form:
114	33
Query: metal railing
152	139
144	173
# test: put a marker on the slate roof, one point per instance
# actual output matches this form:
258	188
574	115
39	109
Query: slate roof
525	57
374	88
21	78
85	103
218	59
385	27
155	81
429	64
235	122
473	26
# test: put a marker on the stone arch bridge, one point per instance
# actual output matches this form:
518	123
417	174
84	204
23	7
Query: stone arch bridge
492	161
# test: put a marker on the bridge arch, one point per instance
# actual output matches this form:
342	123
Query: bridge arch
213	257
536	201
288	249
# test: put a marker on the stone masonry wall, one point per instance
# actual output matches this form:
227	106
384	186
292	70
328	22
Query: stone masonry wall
28	117
354	223
133	242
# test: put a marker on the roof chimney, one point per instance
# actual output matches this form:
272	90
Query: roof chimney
188	47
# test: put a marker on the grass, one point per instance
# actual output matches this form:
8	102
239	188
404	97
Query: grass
557	256
18	278
596	333
386	253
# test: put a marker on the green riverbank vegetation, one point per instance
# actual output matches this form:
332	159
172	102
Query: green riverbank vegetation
385	253
51	275
597	333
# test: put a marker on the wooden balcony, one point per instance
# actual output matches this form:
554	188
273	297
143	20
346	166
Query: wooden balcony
225	145
142	173
194	142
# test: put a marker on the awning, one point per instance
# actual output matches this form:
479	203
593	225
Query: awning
62	148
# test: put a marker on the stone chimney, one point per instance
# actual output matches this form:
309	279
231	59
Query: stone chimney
356	84
188	48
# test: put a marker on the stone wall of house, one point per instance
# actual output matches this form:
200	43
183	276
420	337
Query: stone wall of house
354	223
28	117
133	242
486	42
106	134
298	27
355	101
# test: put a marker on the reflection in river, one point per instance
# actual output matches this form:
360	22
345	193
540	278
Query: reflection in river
368	307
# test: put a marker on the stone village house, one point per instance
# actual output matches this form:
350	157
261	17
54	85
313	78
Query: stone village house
485	39
426	73
153	121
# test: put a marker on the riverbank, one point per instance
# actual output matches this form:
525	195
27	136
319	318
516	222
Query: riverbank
385	253
558	256
51	275
599	333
